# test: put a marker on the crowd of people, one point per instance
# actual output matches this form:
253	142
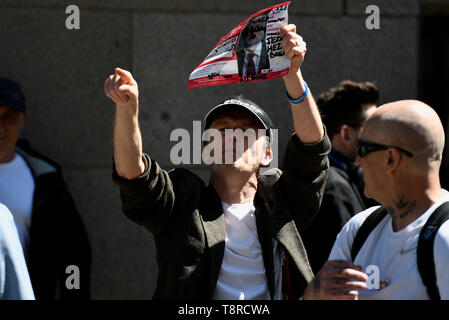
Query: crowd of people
356	210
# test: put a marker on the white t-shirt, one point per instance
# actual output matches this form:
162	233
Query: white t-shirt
394	253
242	274
16	192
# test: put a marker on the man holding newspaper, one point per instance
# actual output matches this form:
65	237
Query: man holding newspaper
238	237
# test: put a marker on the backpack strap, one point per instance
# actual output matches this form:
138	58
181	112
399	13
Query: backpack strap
426	263
365	229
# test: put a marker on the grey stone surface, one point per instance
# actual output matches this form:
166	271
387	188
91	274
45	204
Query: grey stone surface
342	48
62	73
304	7
124	263
387	7
322	7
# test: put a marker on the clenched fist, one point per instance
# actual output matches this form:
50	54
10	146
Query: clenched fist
293	45
337	279
121	88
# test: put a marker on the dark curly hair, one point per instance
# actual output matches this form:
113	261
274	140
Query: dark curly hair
345	104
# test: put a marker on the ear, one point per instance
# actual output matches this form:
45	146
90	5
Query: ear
346	135
24	120
268	156
393	160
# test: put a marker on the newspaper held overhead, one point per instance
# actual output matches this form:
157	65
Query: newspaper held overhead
252	51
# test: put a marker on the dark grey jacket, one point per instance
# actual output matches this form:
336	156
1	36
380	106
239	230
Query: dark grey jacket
58	237
186	218
341	201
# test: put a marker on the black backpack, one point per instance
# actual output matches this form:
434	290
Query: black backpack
424	253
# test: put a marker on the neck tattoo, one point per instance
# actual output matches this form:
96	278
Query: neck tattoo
406	207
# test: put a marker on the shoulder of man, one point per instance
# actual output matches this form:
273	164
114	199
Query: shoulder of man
441	258
441	243
358	219
269	177
351	227
183	173
337	177
38	163
342	247
186	177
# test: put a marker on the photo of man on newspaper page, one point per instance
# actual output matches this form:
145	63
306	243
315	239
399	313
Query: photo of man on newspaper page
252	54
251	51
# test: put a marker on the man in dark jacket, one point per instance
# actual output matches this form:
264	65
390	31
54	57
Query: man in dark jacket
344	109
51	231
252	54
227	240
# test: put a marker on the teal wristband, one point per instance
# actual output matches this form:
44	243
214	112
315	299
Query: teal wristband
296	102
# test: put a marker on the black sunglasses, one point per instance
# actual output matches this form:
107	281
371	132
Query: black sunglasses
367	147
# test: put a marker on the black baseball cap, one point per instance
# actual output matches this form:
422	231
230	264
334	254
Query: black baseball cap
11	95
238	102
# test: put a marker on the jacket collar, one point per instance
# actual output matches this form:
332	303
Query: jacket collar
288	236
353	173
37	166
214	226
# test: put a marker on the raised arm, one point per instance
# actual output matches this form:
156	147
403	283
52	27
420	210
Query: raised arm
306	117
146	190
305	165
121	88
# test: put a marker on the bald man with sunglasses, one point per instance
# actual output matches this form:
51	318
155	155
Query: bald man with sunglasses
400	152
